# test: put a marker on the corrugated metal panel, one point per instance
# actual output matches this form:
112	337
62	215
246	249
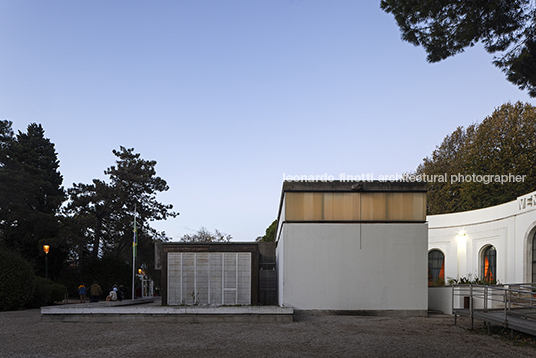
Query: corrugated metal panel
209	278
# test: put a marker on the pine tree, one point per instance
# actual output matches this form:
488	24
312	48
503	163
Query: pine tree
30	184
109	207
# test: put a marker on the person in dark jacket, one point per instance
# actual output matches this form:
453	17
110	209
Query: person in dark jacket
94	292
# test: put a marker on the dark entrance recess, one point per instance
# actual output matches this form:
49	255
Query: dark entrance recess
267	274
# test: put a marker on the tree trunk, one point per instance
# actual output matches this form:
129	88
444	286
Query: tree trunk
96	240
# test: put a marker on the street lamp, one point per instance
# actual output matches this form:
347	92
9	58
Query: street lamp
45	249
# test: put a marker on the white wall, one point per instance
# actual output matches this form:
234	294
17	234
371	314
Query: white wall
440	299
349	266
509	227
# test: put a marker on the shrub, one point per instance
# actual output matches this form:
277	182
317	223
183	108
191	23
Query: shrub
16	285
471	280
41	293
46	292
58	293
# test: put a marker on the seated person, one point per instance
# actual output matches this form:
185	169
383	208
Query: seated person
112	296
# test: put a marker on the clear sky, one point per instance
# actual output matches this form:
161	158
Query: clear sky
228	96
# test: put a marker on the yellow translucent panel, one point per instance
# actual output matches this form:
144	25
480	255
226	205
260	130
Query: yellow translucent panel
374	207
294	206
419	206
383	207
328	207
312	206
400	206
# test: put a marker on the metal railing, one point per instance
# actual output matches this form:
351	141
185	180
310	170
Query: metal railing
517	300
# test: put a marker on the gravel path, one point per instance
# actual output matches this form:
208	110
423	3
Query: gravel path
23	334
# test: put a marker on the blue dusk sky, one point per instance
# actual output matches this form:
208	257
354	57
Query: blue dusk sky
230	96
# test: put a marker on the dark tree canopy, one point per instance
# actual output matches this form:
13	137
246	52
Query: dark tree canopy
269	235
502	144
30	188
445	28
96	224
102	213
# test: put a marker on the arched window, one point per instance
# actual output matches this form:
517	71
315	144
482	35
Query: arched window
436	268
489	264
534	258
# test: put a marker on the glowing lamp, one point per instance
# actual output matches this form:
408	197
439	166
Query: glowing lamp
45	249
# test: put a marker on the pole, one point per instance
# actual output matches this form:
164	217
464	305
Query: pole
45	249
134	249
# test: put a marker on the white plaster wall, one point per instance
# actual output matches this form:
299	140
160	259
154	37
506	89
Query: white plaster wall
509	227
279	264
353	266
440	299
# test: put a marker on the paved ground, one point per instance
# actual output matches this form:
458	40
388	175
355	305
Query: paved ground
23	334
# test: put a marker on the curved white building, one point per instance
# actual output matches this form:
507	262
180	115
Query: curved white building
493	244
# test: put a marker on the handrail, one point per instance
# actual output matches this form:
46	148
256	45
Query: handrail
510	298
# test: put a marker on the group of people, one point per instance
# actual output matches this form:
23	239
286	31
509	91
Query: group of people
116	293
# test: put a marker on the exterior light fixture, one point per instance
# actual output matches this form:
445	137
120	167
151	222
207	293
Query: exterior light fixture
45	249
461	253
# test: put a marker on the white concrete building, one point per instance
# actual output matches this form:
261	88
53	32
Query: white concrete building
346	246
495	243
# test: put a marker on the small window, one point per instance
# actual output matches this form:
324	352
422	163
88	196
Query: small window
436	268
489	265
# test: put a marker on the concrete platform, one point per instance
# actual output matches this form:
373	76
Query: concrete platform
148	310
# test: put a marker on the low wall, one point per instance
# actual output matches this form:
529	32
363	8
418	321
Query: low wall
175	314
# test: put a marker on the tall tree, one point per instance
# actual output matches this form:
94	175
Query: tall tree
504	144
479	157
111	207
448	158
269	235
30	184
445	28
93	205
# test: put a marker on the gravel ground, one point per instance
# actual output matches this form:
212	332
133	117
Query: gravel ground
23	334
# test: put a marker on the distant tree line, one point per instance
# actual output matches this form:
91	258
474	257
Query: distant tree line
504	143
89	227
205	236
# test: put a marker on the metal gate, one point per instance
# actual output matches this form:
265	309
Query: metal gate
268	284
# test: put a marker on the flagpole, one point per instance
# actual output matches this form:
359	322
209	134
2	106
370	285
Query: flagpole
134	249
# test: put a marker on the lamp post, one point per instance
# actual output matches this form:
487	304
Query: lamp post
143	281
45	249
